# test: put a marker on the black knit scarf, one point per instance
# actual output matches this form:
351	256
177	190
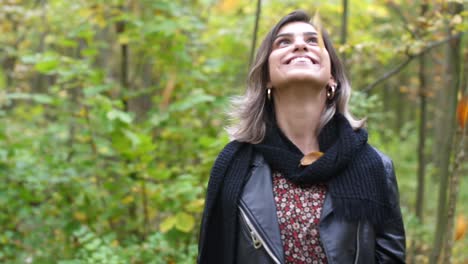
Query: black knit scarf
350	167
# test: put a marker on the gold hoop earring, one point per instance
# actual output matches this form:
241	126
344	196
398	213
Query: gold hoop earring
269	94
331	89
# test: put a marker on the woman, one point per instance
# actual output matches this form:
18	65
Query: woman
299	183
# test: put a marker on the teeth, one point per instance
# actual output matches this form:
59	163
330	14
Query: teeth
301	59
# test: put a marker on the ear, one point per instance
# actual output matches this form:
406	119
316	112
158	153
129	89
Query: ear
269	85
332	81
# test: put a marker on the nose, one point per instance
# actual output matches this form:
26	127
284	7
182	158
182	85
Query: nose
300	44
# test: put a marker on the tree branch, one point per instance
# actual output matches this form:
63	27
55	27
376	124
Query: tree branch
409	58
254	40
398	11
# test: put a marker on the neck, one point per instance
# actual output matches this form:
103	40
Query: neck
298	112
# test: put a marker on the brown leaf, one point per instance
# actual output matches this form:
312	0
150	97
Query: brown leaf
168	91
462	111
460	227
311	158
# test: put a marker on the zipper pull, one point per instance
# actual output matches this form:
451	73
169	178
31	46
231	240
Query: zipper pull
256	242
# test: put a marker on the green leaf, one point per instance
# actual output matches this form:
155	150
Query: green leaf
191	101
42	98
133	137
159	173
47	65
30	59
93	90
158	118
167	224
184	222
39	98
120	115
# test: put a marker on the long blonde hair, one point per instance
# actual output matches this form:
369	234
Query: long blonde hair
252	111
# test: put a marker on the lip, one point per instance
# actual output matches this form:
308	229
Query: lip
314	61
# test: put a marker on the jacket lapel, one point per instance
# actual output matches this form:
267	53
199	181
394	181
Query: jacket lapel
258	199
327	207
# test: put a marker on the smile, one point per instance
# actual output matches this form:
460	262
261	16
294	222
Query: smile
302	60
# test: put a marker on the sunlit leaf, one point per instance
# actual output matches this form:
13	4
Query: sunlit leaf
195	206
124	39
184	222
167	224
119	115
311	158
128	199
47	66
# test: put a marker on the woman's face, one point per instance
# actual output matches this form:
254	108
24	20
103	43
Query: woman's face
297	58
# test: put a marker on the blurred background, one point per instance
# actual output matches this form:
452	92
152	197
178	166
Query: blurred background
112	113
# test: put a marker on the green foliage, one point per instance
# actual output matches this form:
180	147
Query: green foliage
102	162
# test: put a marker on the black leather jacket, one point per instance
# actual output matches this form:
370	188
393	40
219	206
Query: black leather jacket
343	242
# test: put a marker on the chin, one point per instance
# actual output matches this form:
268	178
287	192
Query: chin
307	78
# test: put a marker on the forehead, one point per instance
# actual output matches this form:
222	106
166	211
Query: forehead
296	27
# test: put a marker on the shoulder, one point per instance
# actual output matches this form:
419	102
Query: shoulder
386	160
229	149
226	155
390	177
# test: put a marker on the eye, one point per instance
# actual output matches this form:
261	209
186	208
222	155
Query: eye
283	42
312	40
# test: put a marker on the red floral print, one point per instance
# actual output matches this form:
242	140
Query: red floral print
298	209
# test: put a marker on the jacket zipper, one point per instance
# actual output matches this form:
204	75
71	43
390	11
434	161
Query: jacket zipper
256	238
357	243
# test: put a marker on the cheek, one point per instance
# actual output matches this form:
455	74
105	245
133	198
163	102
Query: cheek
273	71
326	58
273	62
271	67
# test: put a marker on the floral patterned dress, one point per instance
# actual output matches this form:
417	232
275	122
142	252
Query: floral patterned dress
298	209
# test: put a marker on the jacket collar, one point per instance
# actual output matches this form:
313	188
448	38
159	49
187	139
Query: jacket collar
258	199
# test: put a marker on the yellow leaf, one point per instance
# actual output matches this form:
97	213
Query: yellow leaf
86	12
195	206
100	21
82	112
103	150
228	5
80	216
123	39
311	158
128	199
167	224
184	222
115	243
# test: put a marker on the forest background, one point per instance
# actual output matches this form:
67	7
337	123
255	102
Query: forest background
112	113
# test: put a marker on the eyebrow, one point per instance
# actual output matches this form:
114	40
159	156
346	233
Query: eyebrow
291	34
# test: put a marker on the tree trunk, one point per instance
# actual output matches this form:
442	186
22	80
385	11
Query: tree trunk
400	111
454	189
254	37
422	138
40	82
422	129
344	29
448	123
